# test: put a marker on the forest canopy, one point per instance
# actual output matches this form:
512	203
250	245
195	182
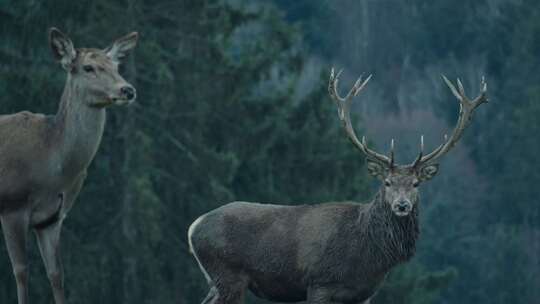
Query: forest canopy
233	105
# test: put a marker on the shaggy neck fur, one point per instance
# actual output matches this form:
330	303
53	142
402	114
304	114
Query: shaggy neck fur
393	237
79	128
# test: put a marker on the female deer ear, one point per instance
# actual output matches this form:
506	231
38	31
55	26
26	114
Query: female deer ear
427	172
375	169
122	46
62	48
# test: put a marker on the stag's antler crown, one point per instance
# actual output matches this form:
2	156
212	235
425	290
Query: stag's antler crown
466	111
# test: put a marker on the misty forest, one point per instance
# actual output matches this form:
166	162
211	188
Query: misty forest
232	104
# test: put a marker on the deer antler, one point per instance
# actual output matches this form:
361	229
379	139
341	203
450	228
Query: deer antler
466	110
344	107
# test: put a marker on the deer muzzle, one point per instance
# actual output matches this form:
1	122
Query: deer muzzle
128	92
127	95
402	207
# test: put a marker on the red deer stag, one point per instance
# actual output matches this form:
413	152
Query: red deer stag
326	253
43	158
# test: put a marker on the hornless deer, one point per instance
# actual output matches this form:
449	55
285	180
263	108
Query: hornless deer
43	158
326	253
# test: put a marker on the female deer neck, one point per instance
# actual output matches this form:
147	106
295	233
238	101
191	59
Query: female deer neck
79	129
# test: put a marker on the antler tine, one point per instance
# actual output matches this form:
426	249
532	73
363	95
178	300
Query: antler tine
482	98
359	85
462	97
392	153
467	108
332	90
460	87
343	105
452	87
420	154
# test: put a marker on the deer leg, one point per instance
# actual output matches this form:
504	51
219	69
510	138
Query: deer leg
229	292
212	294
15	227
49	247
49	242
229	287
319	295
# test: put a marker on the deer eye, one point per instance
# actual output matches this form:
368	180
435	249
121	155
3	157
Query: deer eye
88	68
387	183
415	184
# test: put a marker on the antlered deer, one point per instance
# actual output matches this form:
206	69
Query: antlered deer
43	158
326	253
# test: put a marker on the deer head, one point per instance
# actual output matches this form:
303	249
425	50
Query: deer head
95	71
400	182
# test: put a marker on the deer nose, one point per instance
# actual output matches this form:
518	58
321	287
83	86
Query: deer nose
128	92
403	206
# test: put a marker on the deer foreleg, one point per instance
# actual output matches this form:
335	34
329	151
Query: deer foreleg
320	295
49	242
49	247
15	227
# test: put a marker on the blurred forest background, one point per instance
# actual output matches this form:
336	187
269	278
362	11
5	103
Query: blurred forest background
232	105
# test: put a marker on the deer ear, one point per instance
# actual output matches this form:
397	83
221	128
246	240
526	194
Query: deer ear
62	48
375	169
427	172
122	46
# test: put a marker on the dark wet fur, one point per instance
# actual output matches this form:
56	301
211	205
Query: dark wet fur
279	252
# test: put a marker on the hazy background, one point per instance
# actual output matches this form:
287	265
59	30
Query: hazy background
233	106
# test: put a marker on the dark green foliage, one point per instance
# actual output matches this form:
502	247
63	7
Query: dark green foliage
483	219
412	284
224	113
216	120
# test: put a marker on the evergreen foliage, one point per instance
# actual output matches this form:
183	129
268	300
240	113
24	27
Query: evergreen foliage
232	105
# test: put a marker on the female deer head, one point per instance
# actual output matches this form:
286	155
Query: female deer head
95	71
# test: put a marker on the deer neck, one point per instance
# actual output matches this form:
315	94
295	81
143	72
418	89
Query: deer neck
79	129
394	237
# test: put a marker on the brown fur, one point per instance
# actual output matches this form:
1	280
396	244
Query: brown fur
43	158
